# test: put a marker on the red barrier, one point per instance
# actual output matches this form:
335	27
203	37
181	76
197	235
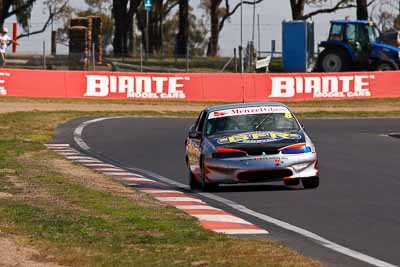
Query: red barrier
198	87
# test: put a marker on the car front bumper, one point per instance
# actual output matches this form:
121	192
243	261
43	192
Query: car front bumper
267	168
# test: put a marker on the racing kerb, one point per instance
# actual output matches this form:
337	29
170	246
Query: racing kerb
198	86
210	218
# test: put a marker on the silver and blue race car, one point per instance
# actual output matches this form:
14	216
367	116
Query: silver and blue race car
249	143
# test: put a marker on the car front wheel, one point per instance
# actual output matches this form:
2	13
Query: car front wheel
206	186
292	182
193	183
310	182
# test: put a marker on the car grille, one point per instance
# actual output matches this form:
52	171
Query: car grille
254	176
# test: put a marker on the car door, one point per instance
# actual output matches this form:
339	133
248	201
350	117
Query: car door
194	145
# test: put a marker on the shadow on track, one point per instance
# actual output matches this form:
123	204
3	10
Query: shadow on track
253	188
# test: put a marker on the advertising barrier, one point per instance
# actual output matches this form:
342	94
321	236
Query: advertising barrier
198	87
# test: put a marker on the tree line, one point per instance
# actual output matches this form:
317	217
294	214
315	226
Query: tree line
173	24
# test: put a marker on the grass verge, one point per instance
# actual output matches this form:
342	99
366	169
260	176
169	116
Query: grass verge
76	217
385	107
384	102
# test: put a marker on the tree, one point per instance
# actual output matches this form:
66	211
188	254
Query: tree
122	13
20	8
218	15
297	7
55	9
385	14
362	9
183	33
197	32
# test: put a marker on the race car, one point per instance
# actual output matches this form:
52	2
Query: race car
249	143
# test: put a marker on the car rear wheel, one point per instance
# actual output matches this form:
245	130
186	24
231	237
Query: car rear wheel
291	182
387	66
310	182
333	61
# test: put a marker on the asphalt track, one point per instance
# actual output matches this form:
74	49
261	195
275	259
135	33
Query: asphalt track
357	204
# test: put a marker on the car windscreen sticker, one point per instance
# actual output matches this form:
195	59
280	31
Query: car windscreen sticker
257	137
245	111
288	115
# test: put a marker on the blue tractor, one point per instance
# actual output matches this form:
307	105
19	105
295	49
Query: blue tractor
354	45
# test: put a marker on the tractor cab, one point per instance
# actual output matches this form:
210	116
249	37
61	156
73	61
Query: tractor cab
352	44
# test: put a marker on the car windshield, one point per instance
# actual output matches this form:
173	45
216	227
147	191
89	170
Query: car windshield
278	119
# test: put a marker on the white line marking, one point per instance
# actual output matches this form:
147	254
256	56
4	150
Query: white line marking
97	165
157	191
179	199
109	169
56	145
79	157
79	130
196	207
220	218
61	150
137	180
132	176
322	241
241	231
119	173
87	160
130	184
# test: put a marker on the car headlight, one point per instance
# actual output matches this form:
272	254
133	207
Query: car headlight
296	149
301	166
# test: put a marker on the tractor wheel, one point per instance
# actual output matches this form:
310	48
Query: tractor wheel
333	61
386	66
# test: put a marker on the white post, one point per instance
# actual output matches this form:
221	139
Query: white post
44	55
94	57
141	57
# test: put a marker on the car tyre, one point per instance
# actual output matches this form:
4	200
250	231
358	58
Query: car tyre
333	61
310	182
206	186
291	182
193	183
386	66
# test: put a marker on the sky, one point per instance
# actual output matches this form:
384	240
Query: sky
271	12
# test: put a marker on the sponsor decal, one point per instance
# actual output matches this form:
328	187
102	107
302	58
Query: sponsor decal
322	86
275	159
257	137
136	86
3	90
246	111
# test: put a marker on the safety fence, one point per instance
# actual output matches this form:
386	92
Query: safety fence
198	86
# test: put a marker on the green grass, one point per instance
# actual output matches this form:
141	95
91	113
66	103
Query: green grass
386	102
64	213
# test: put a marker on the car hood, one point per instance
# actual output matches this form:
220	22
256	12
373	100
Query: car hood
256	143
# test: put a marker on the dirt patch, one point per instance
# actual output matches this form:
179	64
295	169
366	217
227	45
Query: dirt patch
77	174
7	107
19	106
12	253
4	195
98	181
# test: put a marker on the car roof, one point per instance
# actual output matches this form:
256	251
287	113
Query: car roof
344	21
245	105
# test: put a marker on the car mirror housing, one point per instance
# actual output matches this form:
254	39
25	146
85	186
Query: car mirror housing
195	134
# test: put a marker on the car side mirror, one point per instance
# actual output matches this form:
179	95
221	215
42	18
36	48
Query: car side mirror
194	134
302	126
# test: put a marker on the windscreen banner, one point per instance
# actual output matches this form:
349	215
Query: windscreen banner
199	86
